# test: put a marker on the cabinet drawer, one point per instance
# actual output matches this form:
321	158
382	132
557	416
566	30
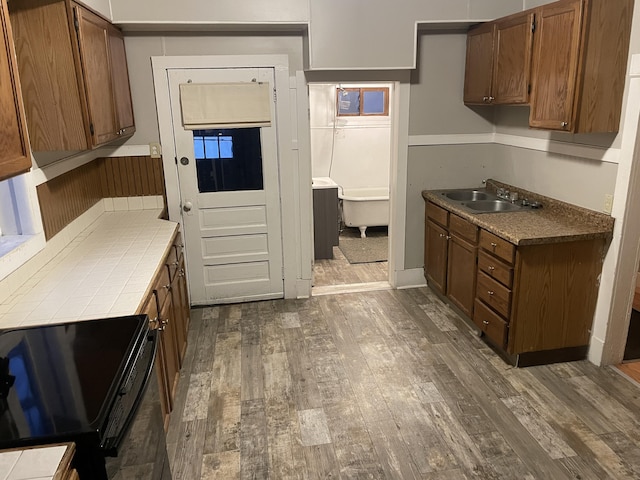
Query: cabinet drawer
496	245
494	294
490	323
495	268
463	228
437	214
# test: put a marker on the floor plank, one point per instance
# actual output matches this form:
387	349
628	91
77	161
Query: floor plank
387	385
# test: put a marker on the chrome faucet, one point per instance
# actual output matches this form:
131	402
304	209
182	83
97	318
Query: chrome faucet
502	193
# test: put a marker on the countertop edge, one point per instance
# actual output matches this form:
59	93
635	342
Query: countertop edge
479	220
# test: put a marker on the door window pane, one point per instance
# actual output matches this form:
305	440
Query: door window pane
228	159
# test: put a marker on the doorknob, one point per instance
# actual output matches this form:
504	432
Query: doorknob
187	206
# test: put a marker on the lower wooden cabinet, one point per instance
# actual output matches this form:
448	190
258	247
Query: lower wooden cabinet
534	303
451	256
168	309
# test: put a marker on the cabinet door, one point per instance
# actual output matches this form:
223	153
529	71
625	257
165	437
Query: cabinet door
178	315
555	65
479	64
461	274
168	342
121	88
435	256
151	309
15	156
512	64
94	55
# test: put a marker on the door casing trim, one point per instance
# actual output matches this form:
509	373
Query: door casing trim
293	189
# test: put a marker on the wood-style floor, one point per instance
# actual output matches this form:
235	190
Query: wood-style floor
338	271
631	369
387	385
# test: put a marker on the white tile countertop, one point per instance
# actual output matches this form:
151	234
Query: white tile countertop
104	271
40	463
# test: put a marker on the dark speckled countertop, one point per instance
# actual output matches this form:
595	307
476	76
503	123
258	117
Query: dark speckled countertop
556	221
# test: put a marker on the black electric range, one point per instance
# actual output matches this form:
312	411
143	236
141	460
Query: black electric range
80	382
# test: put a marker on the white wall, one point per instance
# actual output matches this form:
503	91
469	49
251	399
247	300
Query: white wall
142	46
204	11
353	151
352	35
103	7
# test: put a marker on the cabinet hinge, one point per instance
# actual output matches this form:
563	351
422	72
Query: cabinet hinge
275	95
529	89
76	23
533	24
176	160
91	129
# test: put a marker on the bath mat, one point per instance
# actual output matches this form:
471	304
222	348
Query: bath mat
374	248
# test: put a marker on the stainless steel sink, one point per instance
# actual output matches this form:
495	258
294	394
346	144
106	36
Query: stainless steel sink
466	195
487	206
475	200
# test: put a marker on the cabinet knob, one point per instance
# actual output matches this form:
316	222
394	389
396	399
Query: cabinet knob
485	322
448	237
491	268
485	99
491	99
494	245
563	124
490	292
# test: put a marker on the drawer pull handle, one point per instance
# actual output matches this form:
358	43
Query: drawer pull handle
485	322
490	292
494	245
491	269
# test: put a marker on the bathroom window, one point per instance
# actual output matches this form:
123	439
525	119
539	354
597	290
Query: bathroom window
362	101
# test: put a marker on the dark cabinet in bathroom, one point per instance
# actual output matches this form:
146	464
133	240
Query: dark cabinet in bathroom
325	222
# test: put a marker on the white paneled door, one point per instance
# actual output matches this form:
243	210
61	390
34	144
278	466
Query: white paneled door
230	194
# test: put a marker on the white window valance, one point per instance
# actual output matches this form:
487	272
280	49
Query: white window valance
225	105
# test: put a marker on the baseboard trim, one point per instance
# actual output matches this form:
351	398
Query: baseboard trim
411	278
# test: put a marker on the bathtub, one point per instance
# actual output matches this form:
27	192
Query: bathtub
365	207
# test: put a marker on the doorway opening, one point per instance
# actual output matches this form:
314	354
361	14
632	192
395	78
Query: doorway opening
351	140
631	358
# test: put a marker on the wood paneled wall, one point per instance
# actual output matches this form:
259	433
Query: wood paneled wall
131	176
65	198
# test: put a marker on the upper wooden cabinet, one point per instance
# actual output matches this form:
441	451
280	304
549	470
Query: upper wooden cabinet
76	86
499	60
512	59
15	157
579	65
570	67
479	65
